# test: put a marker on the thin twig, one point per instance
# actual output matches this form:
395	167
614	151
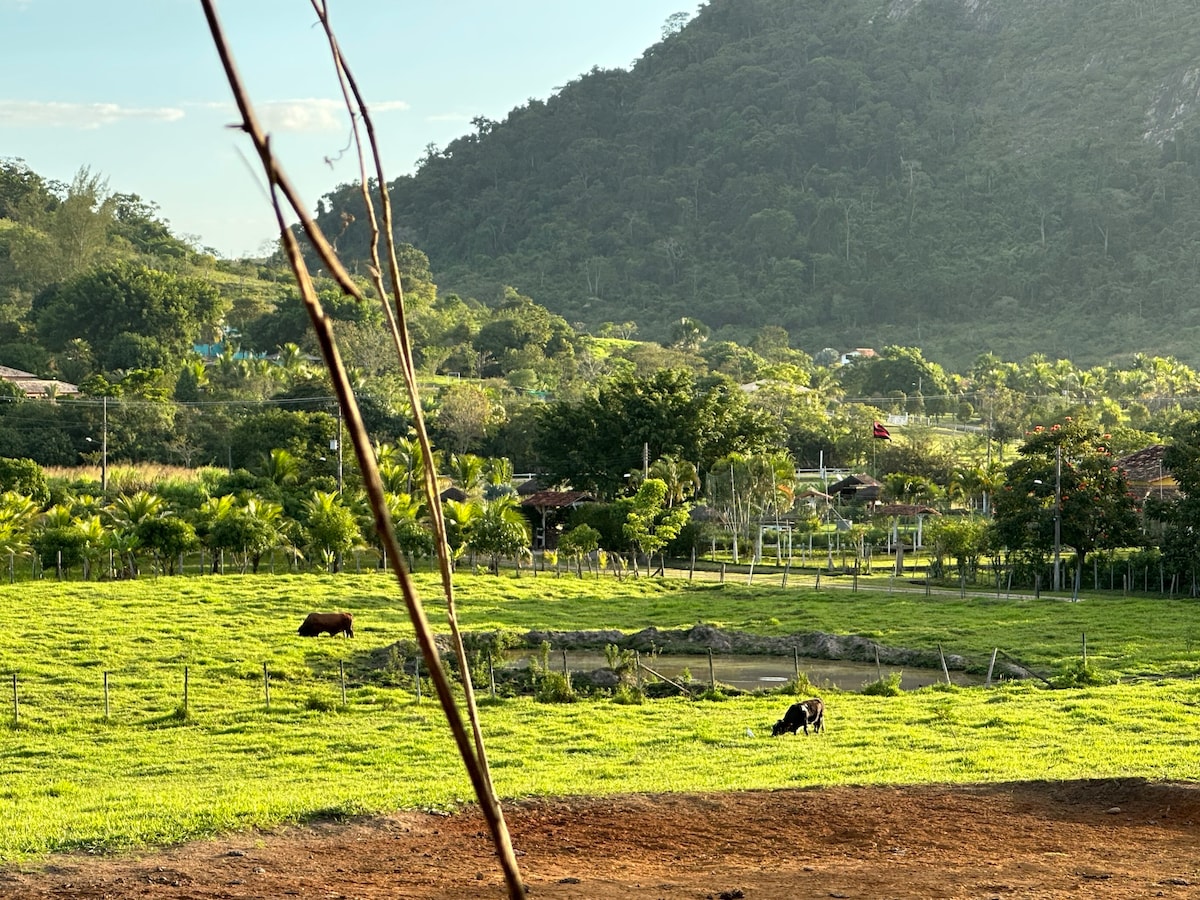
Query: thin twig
372	482
397	324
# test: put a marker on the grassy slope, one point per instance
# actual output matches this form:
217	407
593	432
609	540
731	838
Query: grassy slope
69	778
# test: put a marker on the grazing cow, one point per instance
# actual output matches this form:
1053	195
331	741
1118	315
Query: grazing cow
801	715
333	623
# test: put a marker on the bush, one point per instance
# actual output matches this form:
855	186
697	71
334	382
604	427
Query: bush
555	687
888	686
800	686
628	695
1081	674
318	703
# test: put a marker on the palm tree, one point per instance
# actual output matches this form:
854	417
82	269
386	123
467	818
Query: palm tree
681	478
291	360
127	512
18	514
330	526
467	470
410	524
499	470
460	517
96	542
281	466
501	530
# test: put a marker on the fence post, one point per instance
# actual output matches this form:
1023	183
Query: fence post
712	678
637	665
266	686
878	668
945	669
492	676
692	568
786	569
722	573
991	666
796	663
817	584
1083	640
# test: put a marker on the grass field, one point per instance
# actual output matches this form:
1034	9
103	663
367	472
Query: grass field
72	778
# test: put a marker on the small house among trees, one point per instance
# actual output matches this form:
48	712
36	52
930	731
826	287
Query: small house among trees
861	488
1147	473
547	510
36	388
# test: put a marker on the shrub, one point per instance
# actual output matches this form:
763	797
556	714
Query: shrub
620	661
888	686
555	687
1081	674
799	685
628	695
318	703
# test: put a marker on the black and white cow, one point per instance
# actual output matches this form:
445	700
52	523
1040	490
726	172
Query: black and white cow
801	715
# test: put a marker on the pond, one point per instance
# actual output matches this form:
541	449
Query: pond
755	672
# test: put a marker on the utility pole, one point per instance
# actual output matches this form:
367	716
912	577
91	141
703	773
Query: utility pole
1057	517
104	451
339	447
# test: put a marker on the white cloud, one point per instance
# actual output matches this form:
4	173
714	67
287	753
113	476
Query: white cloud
84	116
313	115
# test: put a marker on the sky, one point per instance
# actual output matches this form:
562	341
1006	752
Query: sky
133	89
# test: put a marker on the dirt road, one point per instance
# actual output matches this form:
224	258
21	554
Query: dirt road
1101	839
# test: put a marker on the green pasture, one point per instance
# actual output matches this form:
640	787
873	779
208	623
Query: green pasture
147	774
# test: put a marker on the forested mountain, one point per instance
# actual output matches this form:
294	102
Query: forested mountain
961	175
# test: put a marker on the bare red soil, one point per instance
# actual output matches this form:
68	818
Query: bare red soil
1096	839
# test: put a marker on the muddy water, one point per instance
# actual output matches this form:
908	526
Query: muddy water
751	673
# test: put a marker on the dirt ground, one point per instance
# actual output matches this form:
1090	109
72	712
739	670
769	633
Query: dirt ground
1031	840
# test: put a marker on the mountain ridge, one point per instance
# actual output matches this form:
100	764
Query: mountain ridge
961	175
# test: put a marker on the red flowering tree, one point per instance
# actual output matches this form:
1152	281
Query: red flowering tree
1095	510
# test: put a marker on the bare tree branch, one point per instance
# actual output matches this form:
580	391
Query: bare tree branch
473	757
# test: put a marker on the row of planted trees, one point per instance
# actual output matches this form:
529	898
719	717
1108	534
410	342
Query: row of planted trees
1063	496
239	517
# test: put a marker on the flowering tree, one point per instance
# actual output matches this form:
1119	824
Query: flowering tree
1071	462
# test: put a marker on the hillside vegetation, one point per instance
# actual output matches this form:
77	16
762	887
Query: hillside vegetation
962	176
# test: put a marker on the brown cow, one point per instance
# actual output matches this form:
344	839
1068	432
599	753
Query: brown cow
319	623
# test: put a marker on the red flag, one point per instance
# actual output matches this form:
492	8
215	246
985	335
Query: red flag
881	432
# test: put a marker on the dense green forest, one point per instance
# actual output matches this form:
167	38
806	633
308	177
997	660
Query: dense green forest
965	177
96	292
